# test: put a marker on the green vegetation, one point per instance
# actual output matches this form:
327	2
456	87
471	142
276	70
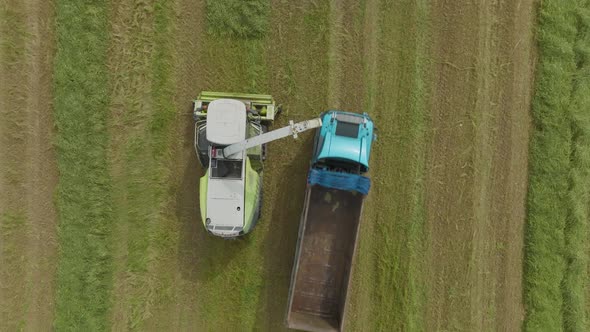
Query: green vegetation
93	190
238	18
163	84
556	252
575	284
123	253
84	191
390	262
140	124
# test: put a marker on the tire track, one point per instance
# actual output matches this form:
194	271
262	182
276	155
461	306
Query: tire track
42	169
28	172
13	219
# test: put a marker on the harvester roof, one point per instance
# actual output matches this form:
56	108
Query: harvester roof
226	121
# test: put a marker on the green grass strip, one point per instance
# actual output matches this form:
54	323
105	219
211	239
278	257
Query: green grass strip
556	255
577	224
549	165
84	277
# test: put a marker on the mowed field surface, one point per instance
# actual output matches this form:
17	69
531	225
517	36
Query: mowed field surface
28	174
477	164
447	83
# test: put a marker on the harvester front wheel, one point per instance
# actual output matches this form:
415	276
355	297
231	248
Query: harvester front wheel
264	129
193	109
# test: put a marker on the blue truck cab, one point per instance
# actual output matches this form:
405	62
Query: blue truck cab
342	149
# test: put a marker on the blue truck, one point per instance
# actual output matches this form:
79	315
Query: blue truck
328	230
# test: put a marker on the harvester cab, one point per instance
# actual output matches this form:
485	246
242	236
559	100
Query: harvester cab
230	141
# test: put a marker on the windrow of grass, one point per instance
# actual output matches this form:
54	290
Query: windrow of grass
556	254
575	284
84	192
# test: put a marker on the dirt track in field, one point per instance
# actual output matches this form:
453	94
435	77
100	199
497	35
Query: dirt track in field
477	163
28	173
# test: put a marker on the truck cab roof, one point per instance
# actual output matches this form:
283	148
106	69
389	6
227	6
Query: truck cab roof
345	136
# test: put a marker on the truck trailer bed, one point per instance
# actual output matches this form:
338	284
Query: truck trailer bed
325	248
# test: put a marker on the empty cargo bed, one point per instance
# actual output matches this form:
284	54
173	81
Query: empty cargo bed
327	237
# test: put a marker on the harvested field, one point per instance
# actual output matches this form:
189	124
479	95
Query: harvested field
28	175
477	168
449	85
